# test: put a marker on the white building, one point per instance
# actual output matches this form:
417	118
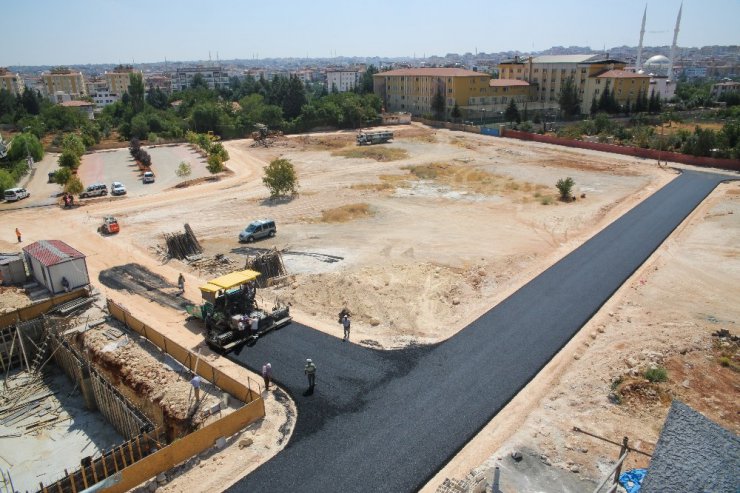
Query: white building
722	88
214	77
342	80
51	261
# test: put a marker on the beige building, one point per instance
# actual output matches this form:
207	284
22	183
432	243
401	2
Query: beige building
11	82
549	74
118	80
62	83
626	87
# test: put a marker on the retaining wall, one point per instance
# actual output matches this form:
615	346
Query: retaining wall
38	309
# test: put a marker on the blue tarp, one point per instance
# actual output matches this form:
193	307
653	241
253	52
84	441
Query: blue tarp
489	131
632	480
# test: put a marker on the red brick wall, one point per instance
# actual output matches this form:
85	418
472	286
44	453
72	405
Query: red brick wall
709	162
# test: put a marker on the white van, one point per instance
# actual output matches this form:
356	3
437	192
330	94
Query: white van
13	194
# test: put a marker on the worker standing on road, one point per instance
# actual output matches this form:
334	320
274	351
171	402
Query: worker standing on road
18	234
310	371
195	382
181	283
346	324
267	374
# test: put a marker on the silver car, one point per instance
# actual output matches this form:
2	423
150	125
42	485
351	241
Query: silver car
257	230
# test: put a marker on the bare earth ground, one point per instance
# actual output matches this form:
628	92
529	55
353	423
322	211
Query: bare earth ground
431	249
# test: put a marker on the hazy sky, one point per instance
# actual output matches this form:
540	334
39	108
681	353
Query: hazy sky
53	32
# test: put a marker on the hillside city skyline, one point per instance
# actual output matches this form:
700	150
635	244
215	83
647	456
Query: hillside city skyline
332	30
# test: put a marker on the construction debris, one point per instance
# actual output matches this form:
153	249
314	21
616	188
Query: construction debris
269	264
216	265
182	245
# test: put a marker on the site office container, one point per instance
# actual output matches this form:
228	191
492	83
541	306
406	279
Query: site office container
51	261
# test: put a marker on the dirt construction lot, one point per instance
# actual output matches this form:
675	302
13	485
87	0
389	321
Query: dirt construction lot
417	238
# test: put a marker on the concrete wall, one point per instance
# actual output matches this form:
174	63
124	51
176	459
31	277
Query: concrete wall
37	309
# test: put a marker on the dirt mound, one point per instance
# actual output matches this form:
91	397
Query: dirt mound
382	298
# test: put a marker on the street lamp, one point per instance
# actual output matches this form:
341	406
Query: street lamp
482	115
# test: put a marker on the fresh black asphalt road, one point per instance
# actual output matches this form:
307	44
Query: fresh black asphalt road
389	420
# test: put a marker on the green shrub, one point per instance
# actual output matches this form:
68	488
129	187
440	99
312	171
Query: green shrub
657	374
184	169
215	164
74	185
564	187
62	176
280	178
69	159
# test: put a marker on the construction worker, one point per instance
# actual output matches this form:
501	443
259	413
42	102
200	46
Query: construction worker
181	283
18	234
346	324
267	374
310	371
195	382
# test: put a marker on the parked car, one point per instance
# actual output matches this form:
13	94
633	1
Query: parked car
148	177
258	229
13	194
117	188
95	190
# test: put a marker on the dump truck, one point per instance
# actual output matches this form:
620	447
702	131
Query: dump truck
231	314
380	137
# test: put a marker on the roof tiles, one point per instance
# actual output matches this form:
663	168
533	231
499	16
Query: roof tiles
52	252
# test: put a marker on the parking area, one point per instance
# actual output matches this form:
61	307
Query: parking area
118	165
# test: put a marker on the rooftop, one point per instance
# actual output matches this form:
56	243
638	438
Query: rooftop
75	104
52	252
432	72
622	74
507	82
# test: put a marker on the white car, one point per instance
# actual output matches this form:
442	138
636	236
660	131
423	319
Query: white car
148	177
13	194
117	188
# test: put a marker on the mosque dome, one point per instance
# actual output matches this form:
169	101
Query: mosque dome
658	65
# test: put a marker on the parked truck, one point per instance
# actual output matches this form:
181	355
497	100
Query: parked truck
379	137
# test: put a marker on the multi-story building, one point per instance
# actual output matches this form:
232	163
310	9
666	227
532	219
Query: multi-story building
159	81
626	87
342	80
476	95
215	77
119	79
83	107
591	75
11	82
62	84
413	90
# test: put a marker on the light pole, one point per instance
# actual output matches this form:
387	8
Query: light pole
482	115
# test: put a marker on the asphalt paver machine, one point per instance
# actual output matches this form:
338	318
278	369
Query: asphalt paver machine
231	314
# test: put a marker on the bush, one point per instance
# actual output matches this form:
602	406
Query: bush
657	374
72	143
564	187
6	180
184	169
280	178
215	164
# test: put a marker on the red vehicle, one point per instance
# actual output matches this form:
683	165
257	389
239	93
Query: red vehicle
110	226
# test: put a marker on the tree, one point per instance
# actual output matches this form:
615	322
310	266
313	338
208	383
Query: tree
456	111
366	80
198	82
24	144
438	105
280	178
564	187
74	186
569	101
215	163
62	176
136	91
157	98
295	97
69	159
31	101
594	106
73	144
512	112
134	147
184	169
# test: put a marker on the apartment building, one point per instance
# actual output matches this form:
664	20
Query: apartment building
723	88
62	84
215	77
11	82
342	80
119	79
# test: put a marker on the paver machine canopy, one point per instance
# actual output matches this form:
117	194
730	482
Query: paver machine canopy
231	313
